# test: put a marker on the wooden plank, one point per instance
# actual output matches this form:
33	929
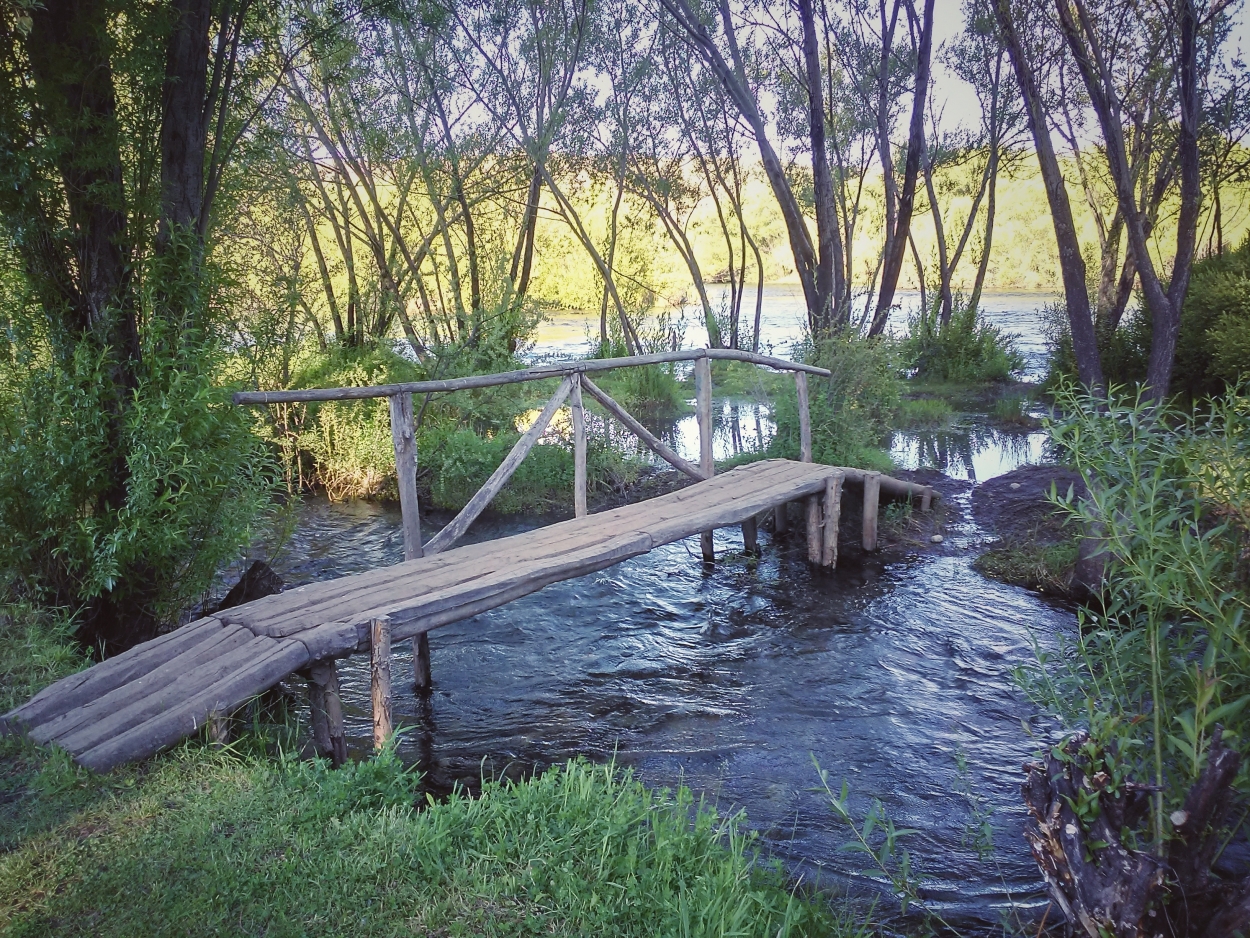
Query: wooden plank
499	478
579	448
872	494
537	373
405	443
327	675
805	417
407	582
220	642
145	706
654	443
833	517
380	680
186	717
330	640
84	686
703	402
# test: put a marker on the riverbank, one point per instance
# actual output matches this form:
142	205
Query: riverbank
252	840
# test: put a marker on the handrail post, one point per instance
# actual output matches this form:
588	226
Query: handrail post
579	448
703	395
814	533
403	435
380	680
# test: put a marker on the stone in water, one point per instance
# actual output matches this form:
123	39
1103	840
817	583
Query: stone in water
936	539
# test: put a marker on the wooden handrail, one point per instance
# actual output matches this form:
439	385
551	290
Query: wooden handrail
537	373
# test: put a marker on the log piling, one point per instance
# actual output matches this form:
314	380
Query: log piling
380	680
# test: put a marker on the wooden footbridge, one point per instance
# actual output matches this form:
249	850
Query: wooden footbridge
157	693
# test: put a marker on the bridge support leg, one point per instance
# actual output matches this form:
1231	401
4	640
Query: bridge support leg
320	722
813	529
703	396
781	518
833	517
326	676
872	497
380	680
422	680
750	538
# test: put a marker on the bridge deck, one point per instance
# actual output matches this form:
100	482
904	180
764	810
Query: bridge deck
157	693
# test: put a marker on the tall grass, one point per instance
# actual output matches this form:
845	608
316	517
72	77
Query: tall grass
1166	658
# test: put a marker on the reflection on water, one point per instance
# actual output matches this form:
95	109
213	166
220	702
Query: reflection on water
974	451
733	680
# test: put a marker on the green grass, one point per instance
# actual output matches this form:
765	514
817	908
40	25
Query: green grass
1034	565
927	412
204	842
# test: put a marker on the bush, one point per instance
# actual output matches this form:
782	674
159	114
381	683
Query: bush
1164	660
966	349
195	478
1213	349
851	411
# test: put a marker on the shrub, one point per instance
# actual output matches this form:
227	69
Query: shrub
196	477
1163	661
851	411
967	349
1213	348
928	412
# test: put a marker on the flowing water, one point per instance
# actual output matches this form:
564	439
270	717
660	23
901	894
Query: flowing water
740	679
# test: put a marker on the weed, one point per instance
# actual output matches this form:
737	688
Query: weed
1031	563
927	412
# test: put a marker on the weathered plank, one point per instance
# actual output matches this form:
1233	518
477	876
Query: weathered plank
186	717
404	440
653	442
220	642
77	689
499	478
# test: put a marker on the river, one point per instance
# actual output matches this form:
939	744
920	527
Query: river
737	681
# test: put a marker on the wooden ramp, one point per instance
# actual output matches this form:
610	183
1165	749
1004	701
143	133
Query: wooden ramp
164	690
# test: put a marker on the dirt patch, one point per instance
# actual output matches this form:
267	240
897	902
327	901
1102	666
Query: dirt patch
1017	505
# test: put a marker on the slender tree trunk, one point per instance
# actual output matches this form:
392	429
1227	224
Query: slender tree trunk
1071	263
892	265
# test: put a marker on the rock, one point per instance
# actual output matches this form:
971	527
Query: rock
258	582
936	539
1014	486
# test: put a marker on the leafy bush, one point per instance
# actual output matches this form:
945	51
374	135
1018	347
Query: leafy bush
1213	349
851	411
1164	660
965	349
196	477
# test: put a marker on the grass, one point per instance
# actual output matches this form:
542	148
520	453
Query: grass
205	842
1033	564
926	412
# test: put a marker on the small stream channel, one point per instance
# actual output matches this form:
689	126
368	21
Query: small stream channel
737	680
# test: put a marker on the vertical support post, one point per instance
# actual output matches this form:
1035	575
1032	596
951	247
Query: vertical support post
579	450
404	438
805	417
833	516
872	495
703	393
814	535
750	536
926	499
380	679
781	518
422	680
327	675
320	722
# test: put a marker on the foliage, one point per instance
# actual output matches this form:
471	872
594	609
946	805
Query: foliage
195	480
1033	564
964	349
210	845
1213	349
850	411
929	412
1164	660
